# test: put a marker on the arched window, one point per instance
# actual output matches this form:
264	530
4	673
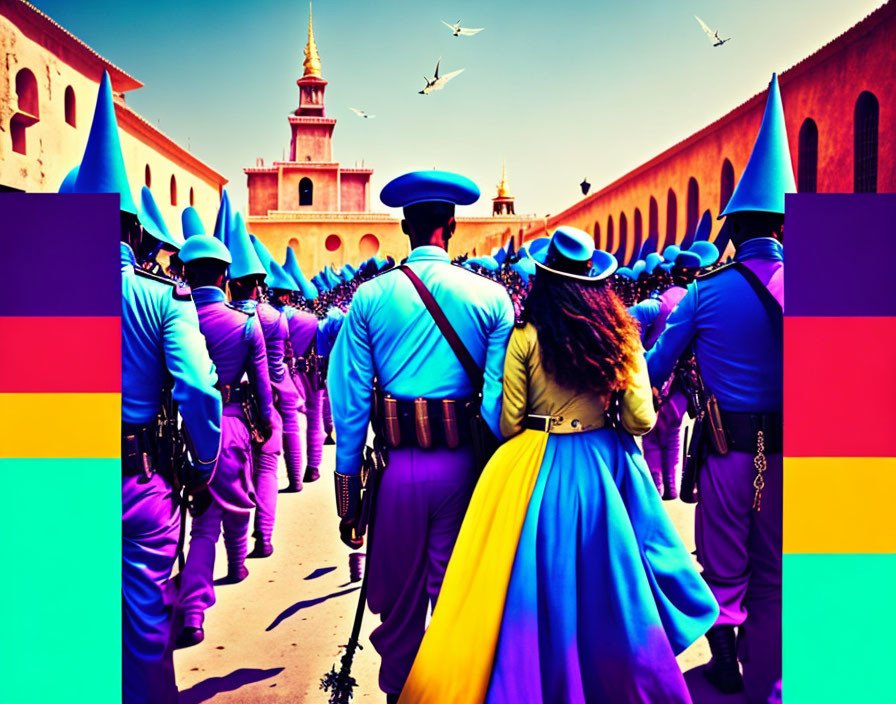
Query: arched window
306	191
622	240
807	166
726	184
70	116
147	176
597	241
333	242
671	217
865	145
638	237
693	213
192	197
173	190
28	110
294	243
609	244
653	218
369	246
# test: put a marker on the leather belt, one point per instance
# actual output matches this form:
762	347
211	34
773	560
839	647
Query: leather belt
742	429
422	423
232	394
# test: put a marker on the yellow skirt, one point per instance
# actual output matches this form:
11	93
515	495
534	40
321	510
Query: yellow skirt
454	663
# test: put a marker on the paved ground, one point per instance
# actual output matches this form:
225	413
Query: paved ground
272	637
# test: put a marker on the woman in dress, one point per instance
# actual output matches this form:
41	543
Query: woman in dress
568	582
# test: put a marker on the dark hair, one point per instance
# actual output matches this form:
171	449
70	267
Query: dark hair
425	218
204	272
588	340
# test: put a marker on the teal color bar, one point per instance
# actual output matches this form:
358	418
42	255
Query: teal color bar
60	631
839	625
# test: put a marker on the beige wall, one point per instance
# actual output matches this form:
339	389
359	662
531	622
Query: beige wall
54	147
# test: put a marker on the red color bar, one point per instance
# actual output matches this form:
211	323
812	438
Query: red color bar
62	355
839	376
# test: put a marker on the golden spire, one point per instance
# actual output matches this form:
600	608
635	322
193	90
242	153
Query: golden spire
503	188
312	58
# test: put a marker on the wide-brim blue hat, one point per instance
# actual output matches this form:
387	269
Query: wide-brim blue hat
308	289
204	247
687	260
102	168
245	259
429	186
769	172
638	268
151	218
572	247
68	183
625	272
707	251
190	222
538	245
224	220
670	252
525	267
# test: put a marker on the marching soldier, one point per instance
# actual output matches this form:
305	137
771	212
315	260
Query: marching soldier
236	345
390	336
160	336
733	318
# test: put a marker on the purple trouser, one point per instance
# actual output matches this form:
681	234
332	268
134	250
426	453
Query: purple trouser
294	441
662	445
231	507
740	551
265	461
315	430
150	524
422	501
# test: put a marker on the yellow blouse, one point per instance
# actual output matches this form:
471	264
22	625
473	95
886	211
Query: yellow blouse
528	389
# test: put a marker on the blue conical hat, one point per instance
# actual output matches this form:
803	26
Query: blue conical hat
769	172
191	223
308	289
334	278
704	229
224	220
500	255
68	183
245	260
102	168
319	283
276	275
153	222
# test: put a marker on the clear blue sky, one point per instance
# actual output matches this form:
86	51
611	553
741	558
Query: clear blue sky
562	90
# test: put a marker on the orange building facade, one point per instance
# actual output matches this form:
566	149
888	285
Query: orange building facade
840	111
322	210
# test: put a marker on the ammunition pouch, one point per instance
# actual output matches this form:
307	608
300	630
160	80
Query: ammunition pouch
138	450
348	495
426	424
245	398
232	394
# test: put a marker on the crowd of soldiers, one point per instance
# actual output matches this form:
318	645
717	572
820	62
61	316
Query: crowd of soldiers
246	373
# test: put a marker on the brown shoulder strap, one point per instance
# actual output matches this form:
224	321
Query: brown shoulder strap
460	350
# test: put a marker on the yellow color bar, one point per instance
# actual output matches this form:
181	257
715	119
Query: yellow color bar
60	425
839	505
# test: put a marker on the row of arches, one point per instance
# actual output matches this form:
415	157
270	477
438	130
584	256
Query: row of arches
172	186
368	245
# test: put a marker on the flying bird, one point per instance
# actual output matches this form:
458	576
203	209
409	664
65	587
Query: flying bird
459	31
713	35
437	82
361	113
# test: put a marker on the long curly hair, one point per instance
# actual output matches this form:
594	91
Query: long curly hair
588	340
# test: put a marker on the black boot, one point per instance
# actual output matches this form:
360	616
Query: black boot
235	574
392	698
670	485
189	637
311	474
330	441
262	548
723	670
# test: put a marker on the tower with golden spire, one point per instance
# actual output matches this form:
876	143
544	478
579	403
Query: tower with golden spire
503	203
312	130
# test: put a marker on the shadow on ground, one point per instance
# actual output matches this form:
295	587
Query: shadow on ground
205	690
299	605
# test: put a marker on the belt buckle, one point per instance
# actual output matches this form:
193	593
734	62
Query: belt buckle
548	421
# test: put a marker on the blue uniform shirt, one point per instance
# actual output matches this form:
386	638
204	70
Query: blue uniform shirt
159	333
738	352
389	334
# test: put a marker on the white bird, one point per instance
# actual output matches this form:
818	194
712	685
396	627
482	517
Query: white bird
459	31
438	82
361	113
713	35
